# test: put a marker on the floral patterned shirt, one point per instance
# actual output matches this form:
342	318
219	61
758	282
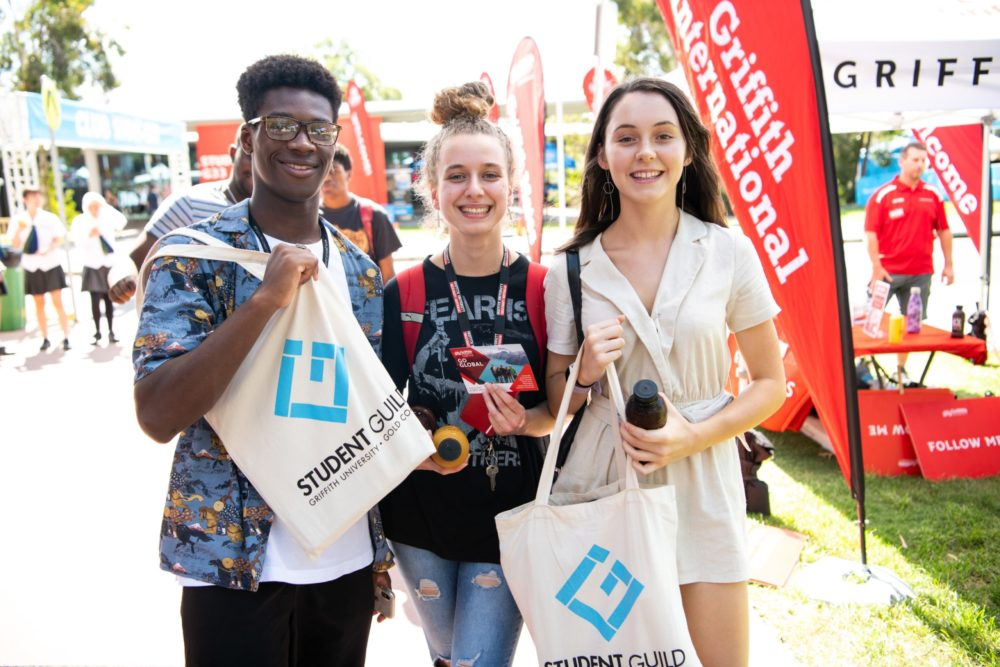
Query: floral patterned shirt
215	523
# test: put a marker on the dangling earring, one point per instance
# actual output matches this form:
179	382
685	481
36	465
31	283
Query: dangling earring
438	212
684	175
609	191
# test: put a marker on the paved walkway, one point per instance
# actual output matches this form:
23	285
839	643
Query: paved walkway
83	487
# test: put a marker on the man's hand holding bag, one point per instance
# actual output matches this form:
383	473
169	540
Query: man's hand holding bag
311	417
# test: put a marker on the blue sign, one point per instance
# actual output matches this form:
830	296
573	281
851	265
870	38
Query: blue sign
618	574
323	354
88	127
551	159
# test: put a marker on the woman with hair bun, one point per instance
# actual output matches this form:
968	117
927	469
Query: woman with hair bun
663	283
476	292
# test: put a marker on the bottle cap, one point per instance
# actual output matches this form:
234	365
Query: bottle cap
449	449
958	307
645	390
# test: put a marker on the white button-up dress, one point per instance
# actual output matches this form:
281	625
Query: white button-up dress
713	283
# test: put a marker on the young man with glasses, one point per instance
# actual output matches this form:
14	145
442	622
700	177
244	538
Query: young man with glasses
251	595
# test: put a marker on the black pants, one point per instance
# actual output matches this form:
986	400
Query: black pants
280	625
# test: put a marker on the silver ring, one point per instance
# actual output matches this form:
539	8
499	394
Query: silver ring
301	245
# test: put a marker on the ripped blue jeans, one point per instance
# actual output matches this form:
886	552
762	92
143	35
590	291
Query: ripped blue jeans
468	614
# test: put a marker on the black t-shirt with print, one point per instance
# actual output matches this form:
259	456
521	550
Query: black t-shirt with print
348	221
453	515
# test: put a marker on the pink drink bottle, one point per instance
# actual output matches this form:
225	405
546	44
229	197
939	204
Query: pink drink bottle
914	311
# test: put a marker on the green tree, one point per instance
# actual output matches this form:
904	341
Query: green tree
342	61
53	37
645	50
848	161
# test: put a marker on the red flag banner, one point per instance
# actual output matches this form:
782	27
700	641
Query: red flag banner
212	150
590	83
956	154
362	144
526	112
749	67
495	110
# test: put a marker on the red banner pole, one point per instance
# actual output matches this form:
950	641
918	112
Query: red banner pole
526	110
840	274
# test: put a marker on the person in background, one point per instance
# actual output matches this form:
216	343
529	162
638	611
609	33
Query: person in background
187	207
252	596
43	270
152	198
902	219
349	212
93	233
442	526
663	283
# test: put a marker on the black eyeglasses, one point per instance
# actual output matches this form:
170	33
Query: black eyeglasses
283	128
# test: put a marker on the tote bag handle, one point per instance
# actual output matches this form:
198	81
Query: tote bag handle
549	467
253	261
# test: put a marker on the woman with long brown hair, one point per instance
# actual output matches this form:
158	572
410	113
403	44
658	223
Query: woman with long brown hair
663	282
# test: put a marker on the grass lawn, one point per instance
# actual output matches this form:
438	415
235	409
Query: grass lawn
942	538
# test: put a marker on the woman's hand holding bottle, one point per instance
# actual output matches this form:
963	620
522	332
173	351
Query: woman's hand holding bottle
656	448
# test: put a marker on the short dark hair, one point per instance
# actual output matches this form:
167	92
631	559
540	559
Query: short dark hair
285	71
27	192
342	157
913	145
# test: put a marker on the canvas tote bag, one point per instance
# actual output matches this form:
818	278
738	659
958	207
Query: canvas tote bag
595	574
311	417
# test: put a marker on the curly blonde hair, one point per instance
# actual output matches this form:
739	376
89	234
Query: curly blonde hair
458	110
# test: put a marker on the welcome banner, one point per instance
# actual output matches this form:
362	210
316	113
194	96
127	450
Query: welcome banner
526	112
956	154
749	67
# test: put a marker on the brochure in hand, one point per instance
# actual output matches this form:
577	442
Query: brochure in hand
503	365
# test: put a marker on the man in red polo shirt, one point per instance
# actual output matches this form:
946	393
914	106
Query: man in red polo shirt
901	220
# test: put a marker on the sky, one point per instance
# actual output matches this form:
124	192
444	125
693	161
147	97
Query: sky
182	58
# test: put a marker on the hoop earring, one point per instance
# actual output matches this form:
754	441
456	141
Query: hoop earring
609	190
684	175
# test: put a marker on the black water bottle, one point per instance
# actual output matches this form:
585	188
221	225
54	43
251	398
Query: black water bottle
958	323
645	408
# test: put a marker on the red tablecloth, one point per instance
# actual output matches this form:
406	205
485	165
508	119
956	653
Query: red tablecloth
930	339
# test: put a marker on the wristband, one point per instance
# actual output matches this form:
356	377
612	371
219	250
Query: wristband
583	388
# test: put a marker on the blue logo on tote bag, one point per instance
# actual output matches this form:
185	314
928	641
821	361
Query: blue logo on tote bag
323	355
618	574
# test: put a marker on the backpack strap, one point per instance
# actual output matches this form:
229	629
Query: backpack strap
576	296
575	290
367	213
412	302
534	297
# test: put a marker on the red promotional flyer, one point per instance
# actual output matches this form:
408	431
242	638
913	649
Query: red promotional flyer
503	365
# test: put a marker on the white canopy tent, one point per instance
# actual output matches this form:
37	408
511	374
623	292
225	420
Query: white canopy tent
892	64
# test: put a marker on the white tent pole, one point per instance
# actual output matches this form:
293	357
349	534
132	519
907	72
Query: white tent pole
986	210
